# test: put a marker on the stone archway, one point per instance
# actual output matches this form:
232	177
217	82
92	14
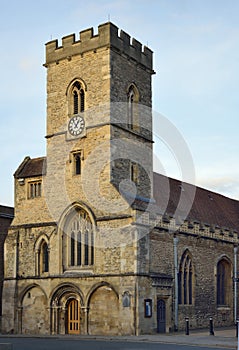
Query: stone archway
66	313
104	311
34	312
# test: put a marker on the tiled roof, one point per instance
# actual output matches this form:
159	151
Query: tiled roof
201	205
207	207
31	167
6	212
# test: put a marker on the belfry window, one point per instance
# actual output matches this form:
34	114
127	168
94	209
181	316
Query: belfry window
132	100
185	280
78	96
130	107
80	240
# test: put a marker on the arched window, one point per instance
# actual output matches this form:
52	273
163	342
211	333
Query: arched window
223	282
185	280
43	259
79	238
78	98
133	99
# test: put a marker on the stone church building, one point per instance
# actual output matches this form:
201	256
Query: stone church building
99	243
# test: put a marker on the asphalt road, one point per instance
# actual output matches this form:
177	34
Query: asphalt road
73	344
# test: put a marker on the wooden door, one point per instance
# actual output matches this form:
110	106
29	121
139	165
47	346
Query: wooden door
161	316
73	311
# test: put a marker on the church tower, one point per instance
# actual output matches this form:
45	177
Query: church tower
99	107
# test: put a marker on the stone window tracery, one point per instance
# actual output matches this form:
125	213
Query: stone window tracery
79	241
185	280
78	98
75	95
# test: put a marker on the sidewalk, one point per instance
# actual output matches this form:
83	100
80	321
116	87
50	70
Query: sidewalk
222	338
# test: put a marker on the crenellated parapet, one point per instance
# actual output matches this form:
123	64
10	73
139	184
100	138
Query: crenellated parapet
193	228
108	36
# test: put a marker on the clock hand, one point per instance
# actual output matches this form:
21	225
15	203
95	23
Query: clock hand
76	122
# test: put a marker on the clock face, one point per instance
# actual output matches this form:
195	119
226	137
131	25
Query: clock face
76	125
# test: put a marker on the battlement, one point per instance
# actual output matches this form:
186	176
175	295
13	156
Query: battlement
194	228
107	37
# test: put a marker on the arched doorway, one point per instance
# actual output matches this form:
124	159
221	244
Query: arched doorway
161	316
66	305
73	317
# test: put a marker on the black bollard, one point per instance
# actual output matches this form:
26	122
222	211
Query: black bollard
211	326
187	326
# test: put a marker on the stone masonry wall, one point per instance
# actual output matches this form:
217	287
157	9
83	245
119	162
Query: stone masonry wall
205	255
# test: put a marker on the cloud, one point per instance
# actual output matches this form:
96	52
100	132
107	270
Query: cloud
228	186
27	64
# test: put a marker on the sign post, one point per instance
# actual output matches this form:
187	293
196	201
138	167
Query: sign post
237	335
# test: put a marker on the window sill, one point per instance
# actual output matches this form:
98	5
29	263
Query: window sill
32	198
44	274
223	307
78	270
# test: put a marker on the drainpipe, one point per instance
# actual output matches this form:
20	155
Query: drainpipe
136	308
175	251
16	312
235	284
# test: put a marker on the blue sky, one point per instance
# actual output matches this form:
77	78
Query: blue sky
196	59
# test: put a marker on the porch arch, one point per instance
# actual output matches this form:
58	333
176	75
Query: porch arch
63	298
33	311
103	310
